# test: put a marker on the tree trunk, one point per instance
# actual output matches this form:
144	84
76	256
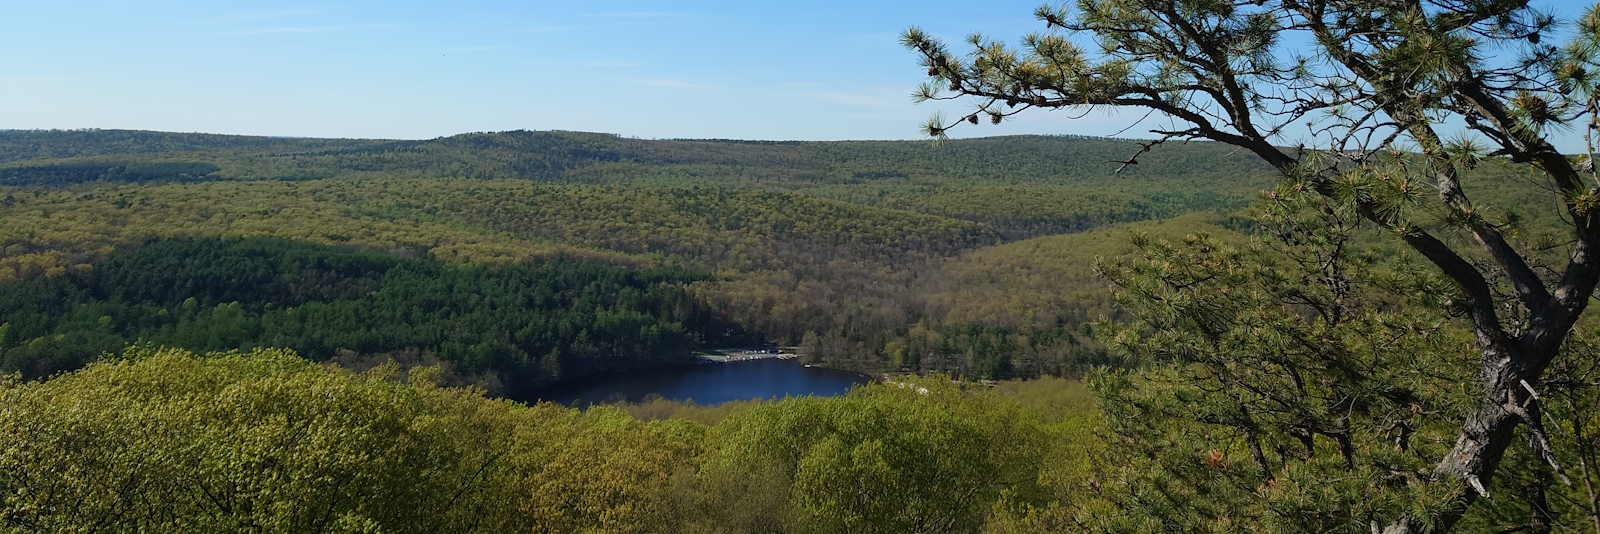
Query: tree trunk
1486	434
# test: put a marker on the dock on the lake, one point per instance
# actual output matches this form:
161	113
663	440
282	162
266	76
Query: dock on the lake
749	353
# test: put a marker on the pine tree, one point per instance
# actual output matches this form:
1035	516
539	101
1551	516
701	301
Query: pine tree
1369	89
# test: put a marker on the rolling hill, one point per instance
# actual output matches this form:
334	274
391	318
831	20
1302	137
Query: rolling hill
874	254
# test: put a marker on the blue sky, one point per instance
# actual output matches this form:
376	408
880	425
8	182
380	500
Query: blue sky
821	69
398	69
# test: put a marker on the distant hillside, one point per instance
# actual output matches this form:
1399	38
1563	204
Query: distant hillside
873	254
22	145
972	257
588	157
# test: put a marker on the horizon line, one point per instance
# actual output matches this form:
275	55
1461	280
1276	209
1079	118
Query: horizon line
618	135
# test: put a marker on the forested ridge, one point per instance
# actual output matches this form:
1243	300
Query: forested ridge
874	255
516	326
53	144
971	258
551	155
853	249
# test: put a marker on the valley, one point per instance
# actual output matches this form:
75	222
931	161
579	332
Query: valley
972	258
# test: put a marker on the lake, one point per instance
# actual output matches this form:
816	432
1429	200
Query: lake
712	383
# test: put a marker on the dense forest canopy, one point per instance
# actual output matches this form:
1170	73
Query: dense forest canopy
228	333
167	440
971	258
858	250
22	145
517	326
573	157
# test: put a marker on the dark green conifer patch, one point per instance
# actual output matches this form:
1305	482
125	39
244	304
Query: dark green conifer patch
530	323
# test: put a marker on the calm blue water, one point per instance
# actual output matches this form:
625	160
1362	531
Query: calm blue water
713	383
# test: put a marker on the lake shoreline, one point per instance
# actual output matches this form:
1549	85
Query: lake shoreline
707	383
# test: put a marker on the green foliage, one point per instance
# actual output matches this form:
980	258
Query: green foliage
266	441
921	456
1302	338
25	145
576	157
522	326
840	239
654	408
71	173
165	440
1017	309
862	244
785	263
1286	386
1021	212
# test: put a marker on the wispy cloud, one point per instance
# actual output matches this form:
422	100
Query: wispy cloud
580	27
861	100
634	15
253	50
536	29
902	119
892	39
596	64
306	29
255	16
29	80
282	29
673	83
